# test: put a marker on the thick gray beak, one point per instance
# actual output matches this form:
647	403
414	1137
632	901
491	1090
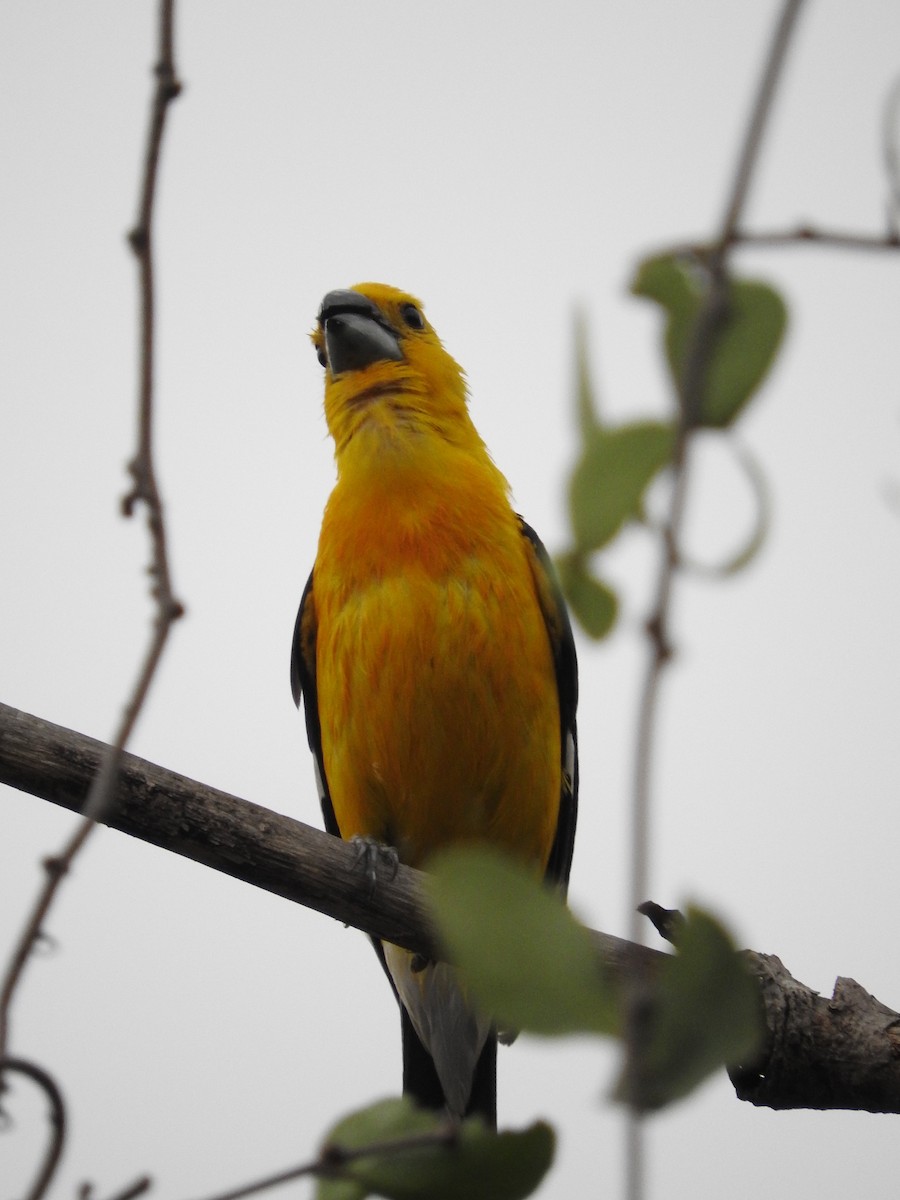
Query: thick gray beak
356	334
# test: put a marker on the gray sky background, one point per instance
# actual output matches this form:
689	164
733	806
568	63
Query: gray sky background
506	162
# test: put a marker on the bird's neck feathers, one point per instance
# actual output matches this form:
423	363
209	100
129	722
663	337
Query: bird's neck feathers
395	431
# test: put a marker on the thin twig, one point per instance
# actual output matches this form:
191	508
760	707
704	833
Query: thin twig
759	116
334	1159
133	1190
891	151
810	235
145	489
49	1087
709	319
797	235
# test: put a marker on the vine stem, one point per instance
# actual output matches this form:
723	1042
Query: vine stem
57	1120
709	319
101	795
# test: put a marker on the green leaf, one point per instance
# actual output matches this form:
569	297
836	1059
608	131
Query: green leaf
593	602
704	1012
743	346
478	1164
609	481
340	1189
380	1122
743	351
529	963
670	280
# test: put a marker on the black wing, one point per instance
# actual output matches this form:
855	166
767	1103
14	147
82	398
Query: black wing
303	684
562	644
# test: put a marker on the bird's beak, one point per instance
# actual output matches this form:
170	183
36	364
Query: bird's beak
356	333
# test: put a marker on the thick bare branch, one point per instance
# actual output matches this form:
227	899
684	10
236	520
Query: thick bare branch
819	1053
841	1051
237	837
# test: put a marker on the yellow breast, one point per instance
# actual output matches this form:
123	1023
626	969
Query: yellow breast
436	689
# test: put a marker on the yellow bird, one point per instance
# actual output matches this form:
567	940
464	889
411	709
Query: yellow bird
434	655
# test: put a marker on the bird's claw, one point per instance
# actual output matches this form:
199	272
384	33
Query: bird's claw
369	853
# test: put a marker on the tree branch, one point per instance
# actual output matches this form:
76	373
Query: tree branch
234	836
842	1052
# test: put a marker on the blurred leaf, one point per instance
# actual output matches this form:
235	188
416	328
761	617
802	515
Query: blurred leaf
340	1189
380	1122
594	603
743	347
479	1165
743	350
703	1013
529	963
670	280
609	481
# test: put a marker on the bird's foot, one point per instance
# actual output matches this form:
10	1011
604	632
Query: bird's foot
370	853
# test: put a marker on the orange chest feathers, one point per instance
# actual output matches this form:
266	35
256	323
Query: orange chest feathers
437	696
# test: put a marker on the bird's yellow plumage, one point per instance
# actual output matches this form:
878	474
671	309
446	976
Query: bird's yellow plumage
431	639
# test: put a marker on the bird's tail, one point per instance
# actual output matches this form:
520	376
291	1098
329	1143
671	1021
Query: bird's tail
449	1048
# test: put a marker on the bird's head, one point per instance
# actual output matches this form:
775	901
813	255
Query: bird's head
386	371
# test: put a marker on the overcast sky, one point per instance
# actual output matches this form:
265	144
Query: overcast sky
506	162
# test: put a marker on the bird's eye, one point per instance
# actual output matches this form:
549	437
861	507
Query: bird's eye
412	316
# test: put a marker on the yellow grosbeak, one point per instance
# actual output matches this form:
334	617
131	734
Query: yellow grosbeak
433	653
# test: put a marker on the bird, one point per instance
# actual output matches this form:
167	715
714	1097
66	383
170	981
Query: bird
434	657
